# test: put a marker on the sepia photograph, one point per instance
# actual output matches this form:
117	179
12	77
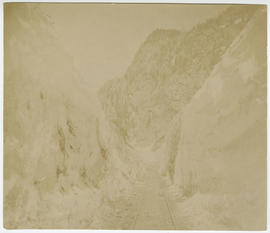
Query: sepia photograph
135	116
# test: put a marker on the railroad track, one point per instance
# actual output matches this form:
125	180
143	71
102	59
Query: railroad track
151	213
170	213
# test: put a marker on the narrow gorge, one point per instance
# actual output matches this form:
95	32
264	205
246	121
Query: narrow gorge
176	143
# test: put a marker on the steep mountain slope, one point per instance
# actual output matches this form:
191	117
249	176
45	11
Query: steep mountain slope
221	157
61	161
192	103
166	72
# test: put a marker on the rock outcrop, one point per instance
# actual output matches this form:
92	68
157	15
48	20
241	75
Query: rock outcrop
168	69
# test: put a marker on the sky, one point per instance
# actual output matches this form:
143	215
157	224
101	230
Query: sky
103	38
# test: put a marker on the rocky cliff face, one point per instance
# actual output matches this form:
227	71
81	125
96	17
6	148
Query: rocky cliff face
59	160
197	97
166	72
221	155
202	95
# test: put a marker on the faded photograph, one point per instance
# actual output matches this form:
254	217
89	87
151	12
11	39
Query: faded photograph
135	116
